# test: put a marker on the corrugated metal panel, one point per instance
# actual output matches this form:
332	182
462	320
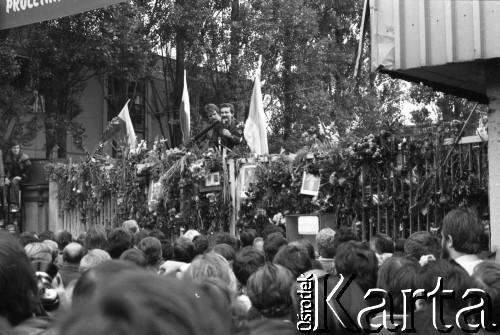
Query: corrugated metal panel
415	33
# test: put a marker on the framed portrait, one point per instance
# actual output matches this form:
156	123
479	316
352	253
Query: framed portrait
310	184
247	173
154	194
212	179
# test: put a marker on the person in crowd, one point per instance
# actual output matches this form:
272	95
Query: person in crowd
72	256
383	246
247	237
96	238
310	252
356	258
151	247
422	243
119	241
139	236
226	134
268	327
269	291
486	277
144	303
272	244
46	235
246	262
226	251
62	238
167	250
92	258
225	238
38	251
325	240
53	248
184	250
132	226
200	244
212	265
18	168
295	258
190	234
135	256
13	229
399	246
270	229
258	244
27	237
461	238
20	302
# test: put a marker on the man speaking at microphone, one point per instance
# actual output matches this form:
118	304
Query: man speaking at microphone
225	134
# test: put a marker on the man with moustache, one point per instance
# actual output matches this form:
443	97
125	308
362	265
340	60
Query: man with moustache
226	134
461	240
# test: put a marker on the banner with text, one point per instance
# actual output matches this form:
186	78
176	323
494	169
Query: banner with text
15	13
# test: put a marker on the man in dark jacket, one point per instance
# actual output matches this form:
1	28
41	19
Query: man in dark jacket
226	134
17	171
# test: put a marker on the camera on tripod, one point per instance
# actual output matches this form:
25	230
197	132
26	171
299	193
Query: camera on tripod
45	273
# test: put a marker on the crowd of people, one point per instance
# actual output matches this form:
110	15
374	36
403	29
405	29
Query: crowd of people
130	280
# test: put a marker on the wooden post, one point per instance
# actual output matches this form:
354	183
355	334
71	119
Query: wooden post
55	221
232	185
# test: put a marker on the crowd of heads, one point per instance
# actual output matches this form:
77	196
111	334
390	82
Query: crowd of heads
128	280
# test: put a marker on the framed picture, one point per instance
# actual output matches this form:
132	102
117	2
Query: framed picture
247	173
310	184
154	194
212	179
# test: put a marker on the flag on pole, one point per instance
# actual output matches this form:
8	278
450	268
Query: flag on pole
185	113
255	131
124	118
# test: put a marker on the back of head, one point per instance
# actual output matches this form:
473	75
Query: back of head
396	274
225	238
93	258
270	229
465	229
270	327
258	243
295	258
200	244
422	243
63	238
272	244
399	244
73	253
144	303
247	237
307	245
38	251
344	234
151	247
356	258
46	235
27	238
382	243
96	238
18	284
184	250
325	240
54	248
190	234
269	290
167	249
225	250
486	277
212	265
246	262
135	256
139	236
132	226
119	240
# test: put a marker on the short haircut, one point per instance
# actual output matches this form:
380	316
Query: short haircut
183	250
295	258
246	262
200	244
396	274
247	237
46	235
151	247
157	233
487	278
225	250
27	238
167	250
93	258
272	244
465	228
306	244
212	265
269	290
73	253
145	303
225	238
96	238
382	243
399	244
38	251
356	258
135	256
228	105
62	237
344	234
270	229
18	284
422	243
119	240
210	108
325	240
139	236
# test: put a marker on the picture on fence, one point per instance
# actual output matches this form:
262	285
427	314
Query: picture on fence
310	184
154	194
247	178
212	179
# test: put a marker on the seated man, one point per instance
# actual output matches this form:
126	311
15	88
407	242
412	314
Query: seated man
226	134
17	170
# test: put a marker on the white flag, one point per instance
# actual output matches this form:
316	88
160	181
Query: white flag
124	117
